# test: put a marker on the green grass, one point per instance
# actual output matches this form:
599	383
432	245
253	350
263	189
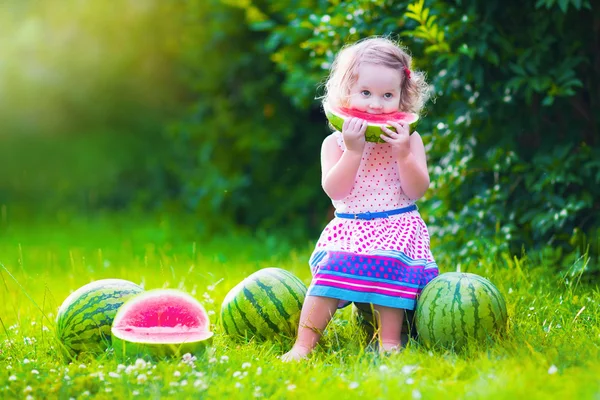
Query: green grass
551	351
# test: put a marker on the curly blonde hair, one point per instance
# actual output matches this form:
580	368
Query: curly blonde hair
378	51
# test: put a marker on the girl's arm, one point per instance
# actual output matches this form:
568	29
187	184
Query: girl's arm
339	168
412	168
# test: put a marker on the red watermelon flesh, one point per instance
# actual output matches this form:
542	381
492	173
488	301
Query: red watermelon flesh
378	118
162	316
337	116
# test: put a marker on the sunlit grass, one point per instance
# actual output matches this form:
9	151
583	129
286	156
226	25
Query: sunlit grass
551	351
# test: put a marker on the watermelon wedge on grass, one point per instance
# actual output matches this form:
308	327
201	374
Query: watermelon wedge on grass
337	115
161	323
456	308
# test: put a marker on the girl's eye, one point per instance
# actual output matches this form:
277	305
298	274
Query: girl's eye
365	93
388	95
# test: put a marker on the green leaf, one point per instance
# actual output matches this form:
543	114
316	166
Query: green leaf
548	101
412	16
431	20
564	5
541	3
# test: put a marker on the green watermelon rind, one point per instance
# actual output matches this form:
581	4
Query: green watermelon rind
124	349
257	306
450	313
373	132
129	348
84	318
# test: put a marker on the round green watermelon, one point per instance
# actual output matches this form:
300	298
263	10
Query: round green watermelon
265	305
84	319
457	307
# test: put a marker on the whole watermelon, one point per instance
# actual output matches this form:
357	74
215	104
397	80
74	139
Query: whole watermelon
456	307
264	305
85	317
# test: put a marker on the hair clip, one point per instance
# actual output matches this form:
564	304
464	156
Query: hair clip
407	72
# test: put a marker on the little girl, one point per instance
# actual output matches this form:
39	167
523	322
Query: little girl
376	249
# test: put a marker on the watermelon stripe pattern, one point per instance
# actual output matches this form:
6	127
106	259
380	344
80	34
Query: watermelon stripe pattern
456	307
85	317
264	305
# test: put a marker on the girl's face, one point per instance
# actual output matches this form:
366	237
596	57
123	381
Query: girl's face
377	89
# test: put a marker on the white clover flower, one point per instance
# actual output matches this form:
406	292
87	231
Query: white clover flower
177	373
410	381
183	382
121	368
291	387
28	389
140	363
82	366
246	365
416	394
224	359
12	378
408	369
237	374
552	370
35	372
353	385
114	375
26	361
258	371
141	378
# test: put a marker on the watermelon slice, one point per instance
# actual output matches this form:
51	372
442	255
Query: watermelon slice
160	323
336	117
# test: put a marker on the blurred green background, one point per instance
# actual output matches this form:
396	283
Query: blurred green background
205	110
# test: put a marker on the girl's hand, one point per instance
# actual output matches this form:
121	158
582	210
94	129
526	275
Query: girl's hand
400	140
353	132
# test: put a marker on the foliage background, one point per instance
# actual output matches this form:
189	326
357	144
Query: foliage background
206	109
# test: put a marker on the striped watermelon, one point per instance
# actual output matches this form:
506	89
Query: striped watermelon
264	305
85	317
455	307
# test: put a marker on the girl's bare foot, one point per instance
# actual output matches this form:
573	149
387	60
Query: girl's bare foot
390	347
297	353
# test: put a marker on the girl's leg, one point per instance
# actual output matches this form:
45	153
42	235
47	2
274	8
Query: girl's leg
315	315
389	321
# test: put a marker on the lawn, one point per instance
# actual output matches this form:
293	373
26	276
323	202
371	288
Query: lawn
551	350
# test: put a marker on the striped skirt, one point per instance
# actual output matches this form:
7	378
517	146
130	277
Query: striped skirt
386	278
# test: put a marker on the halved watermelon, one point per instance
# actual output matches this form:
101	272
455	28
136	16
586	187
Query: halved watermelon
336	117
160	323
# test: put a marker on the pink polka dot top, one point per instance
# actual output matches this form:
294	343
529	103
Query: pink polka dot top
377	185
